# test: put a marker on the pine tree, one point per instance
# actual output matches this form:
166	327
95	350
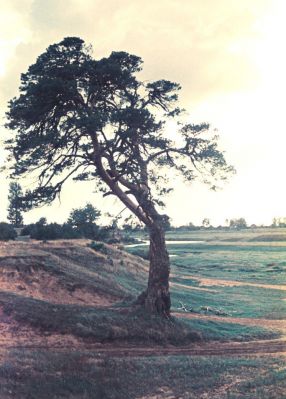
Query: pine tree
15	205
96	120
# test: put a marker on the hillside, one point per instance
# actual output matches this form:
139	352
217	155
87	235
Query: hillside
65	292
70	272
69	328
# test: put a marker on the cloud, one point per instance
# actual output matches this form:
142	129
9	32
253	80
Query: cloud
207	46
197	43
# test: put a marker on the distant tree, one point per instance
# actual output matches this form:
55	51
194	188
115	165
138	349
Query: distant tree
206	223
42	221
191	226
51	231
94	119
15	204
41	230
7	232
238	223
254	226
82	216
83	220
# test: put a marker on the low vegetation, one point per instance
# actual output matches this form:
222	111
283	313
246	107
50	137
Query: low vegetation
65	304
7	232
77	375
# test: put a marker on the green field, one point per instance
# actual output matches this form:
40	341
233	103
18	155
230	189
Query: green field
232	256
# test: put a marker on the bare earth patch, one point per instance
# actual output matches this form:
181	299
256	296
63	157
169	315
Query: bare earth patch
189	287
209	282
42	285
23	271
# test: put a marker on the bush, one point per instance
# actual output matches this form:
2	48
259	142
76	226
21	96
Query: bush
7	232
52	231
143	253
96	246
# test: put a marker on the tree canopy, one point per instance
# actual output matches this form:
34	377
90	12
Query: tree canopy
239	223
86	119
82	216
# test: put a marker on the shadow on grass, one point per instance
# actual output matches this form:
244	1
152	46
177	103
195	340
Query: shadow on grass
85	375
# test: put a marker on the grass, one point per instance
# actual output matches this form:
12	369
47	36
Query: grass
84	375
222	331
228	255
121	324
98	324
116	273
241	301
31	373
255	264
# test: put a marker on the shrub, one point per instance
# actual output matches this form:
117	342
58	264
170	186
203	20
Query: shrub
7	232
143	253
96	246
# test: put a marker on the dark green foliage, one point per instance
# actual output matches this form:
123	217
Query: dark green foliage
97	246
15	204
88	119
82	216
84	118
88	230
142	252
82	220
7	232
79	225
52	231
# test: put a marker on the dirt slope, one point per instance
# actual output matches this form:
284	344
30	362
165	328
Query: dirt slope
66	272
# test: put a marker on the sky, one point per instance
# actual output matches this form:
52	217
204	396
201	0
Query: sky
229	57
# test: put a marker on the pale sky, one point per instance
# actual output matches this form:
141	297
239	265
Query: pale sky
229	57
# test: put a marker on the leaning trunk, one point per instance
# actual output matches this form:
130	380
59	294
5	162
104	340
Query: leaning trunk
157	297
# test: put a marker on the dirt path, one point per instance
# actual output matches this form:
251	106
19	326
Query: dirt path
268	347
212	282
190	287
222	349
17	336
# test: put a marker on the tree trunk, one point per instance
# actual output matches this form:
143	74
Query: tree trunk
157	297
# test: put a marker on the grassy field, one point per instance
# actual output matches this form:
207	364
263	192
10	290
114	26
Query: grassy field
231	256
63	306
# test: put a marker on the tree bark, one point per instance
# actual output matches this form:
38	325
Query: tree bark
156	299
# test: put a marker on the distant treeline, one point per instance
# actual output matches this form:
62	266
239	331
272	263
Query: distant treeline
82	223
